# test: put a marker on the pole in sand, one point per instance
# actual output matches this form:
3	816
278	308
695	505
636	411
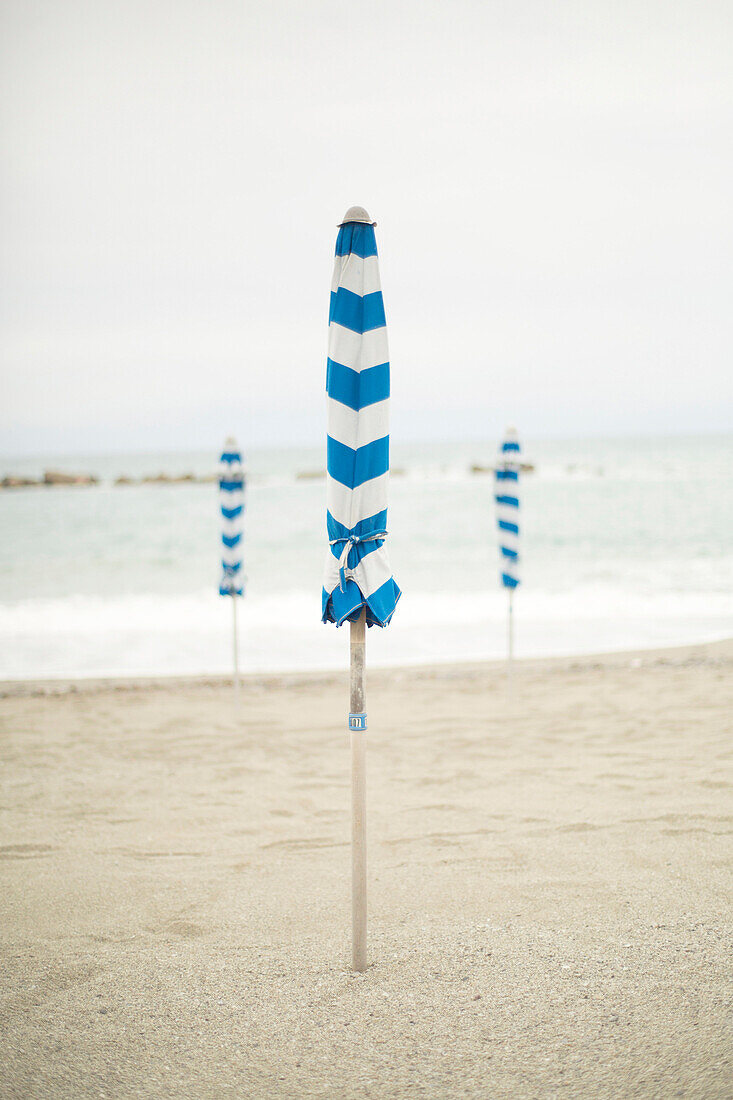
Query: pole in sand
235	646
510	638
357	727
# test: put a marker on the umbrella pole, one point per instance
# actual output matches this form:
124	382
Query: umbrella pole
510	639
357	727
235	643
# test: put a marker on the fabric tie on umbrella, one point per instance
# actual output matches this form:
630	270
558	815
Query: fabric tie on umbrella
507	507
231	498
358	572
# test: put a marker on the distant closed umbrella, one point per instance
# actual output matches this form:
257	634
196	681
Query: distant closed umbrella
358	585
507	512
231	497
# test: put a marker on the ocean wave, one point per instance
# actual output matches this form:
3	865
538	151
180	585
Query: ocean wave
154	634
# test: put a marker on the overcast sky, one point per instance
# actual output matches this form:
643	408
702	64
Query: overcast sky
552	183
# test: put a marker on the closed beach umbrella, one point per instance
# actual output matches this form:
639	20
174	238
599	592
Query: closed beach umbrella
231	498
358	586
507	513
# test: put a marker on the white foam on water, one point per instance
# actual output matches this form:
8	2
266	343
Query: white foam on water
150	635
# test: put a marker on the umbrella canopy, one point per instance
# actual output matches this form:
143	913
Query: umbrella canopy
358	572
231	497
507	507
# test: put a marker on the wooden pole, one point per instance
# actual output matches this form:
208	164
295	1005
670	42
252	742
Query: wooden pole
510	638
357	727
236	654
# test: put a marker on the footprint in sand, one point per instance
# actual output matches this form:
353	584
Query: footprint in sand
186	929
297	845
135	853
25	851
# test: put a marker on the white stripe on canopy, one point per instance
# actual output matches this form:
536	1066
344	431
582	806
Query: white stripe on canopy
359	275
357	350
355	428
349	506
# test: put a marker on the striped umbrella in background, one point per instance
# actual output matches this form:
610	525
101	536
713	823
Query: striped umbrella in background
231	498
507	514
358	584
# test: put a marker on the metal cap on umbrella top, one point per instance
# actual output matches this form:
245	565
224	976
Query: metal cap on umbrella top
356	214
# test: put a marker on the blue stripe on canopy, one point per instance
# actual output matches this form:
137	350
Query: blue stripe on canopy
231	486
231	456
505	525
510	445
230	568
353	467
358	238
340	606
508	500
231	513
369	526
509	582
357	389
231	540
352	311
507	475
373	525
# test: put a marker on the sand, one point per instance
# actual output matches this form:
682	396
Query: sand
550	885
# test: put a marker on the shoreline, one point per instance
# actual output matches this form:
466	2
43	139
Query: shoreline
680	655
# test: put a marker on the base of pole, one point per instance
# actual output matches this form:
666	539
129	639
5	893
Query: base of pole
358	854
357	726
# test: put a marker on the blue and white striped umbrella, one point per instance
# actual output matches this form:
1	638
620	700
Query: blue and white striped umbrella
231	497
358	572
507	507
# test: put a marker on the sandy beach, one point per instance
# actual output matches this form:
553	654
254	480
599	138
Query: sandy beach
550	885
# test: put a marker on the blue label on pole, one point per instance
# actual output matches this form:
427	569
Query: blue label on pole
357	722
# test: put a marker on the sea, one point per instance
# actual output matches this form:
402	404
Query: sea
626	544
